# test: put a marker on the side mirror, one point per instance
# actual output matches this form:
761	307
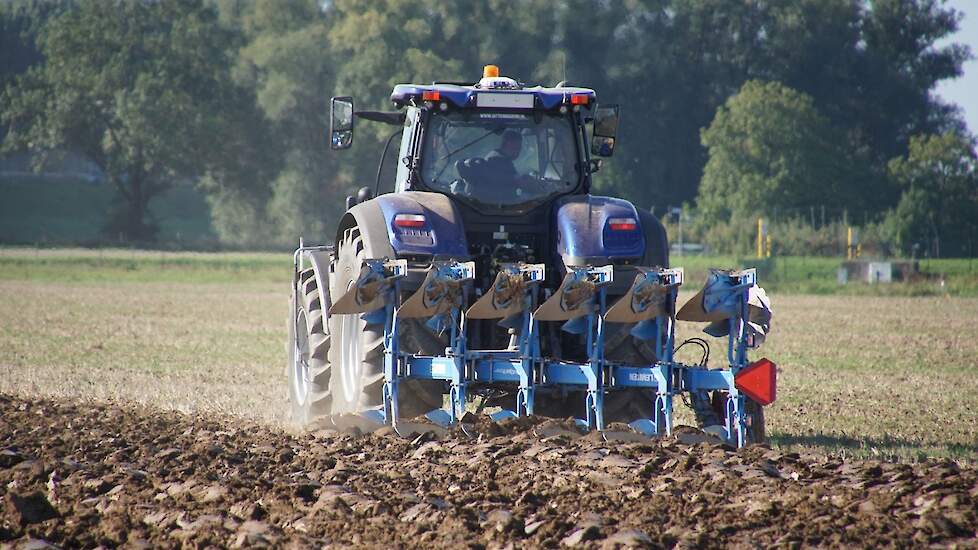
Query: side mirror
341	123
605	130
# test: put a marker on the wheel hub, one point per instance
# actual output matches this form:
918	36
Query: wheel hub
351	357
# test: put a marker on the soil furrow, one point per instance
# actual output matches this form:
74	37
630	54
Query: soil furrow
76	473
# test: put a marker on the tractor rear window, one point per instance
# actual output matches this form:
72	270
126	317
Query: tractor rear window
500	160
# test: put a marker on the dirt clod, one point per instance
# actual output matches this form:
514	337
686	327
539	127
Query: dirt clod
628	538
31	508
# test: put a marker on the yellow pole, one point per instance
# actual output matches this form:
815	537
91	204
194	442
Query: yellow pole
760	237
849	243
768	248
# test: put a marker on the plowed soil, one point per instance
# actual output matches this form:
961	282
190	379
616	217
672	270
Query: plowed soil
81	474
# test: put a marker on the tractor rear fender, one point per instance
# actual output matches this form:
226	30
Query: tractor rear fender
586	236
435	232
370	219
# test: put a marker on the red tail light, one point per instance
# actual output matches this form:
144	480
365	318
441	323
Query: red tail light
579	99
409	220
623	224
431	95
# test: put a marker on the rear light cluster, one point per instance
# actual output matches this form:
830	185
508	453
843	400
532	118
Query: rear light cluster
576	101
622	224
413	221
432	97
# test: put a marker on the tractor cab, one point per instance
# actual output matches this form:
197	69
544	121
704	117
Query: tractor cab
497	146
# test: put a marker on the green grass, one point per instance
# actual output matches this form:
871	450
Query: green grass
867	376
817	275
887	377
122	265
64	211
58	212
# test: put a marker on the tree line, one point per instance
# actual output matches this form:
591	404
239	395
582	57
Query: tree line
732	108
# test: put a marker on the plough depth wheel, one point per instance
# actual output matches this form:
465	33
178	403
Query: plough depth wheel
753	410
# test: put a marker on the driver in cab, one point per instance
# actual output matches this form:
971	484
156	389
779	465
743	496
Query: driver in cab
500	161
496	174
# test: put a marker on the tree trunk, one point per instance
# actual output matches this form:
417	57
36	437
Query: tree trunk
136	227
129	220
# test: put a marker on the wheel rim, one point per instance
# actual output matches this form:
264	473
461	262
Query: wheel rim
351	356
300	366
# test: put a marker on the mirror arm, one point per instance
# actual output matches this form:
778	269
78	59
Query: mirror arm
394	118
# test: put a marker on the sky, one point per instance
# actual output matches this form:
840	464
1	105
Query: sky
964	89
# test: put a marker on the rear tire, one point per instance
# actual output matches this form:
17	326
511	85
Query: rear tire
756	430
623	405
357	381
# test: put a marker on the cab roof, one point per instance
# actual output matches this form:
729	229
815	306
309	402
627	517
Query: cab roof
468	95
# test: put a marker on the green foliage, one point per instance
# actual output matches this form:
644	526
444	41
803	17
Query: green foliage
769	149
910	223
20	22
938	210
43	210
287	61
238	214
903	62
136	87
235	95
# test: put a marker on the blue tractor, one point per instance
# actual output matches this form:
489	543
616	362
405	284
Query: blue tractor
490	272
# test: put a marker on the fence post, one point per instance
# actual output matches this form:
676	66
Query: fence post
849	243
761	234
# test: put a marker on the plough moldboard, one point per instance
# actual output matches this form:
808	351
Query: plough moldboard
519	301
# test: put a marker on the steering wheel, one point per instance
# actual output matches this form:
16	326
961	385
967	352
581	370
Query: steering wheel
478	179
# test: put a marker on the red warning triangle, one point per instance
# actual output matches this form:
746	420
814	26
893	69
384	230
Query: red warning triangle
759	381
